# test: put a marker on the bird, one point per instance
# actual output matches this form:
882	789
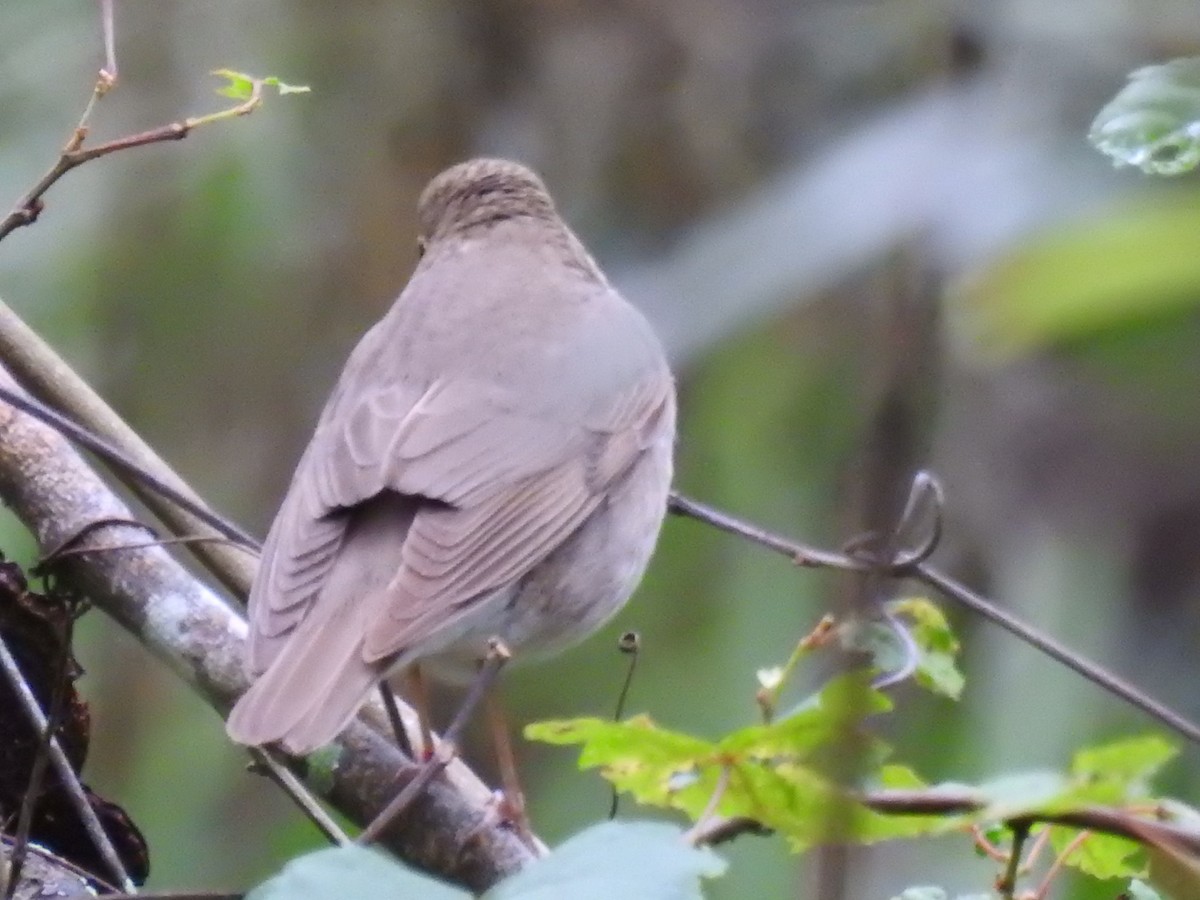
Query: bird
494	463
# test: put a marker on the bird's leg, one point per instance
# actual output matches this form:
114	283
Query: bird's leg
513	803
419	691
498	654
399	730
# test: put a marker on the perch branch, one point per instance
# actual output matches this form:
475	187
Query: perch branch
55	493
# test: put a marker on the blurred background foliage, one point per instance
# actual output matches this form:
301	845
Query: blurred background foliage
831	210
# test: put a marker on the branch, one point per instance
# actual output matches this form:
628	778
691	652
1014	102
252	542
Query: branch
42	372
57	495
943	801
914	564
1107	819
74	154
47	875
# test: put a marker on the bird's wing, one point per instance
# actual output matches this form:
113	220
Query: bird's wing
514	486
311	525
506	487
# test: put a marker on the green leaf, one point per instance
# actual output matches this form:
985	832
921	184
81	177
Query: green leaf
338	872
630	749
1102	856
1154	121
657	766
636	860
894	777
820	721
937	669
1134	268
769	773
1130	763
240	86
285	88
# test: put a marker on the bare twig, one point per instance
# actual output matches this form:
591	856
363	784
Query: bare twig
46	376
1008	881
944	801
630	643
122	463
107	27
47	738
446	749
74	154
1060	861
62	767
914	564
292	786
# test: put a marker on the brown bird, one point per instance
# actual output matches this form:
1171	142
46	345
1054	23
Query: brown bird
494	462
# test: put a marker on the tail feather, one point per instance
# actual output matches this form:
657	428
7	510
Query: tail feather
318	678
310	692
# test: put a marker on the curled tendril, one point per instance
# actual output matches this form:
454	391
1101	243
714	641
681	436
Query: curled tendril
912	652
925	496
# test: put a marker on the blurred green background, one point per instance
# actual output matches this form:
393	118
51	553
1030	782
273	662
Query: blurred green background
871	233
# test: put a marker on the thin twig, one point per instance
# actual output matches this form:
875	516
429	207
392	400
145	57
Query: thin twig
119	460
799	554
963	595
1059	863
47	377
292	786
945	801
107	27
446	749
37	771
913	564
396	719
30	206
1008	881
62	766
181	541
630	643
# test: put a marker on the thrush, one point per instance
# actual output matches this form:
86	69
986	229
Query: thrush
493	462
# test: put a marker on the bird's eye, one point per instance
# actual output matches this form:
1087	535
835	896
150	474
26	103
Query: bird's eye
420	247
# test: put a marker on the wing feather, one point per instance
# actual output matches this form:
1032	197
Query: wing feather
457	554
506	482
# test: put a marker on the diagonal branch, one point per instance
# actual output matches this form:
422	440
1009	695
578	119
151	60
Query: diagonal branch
41	371
27	210
915	565
56	494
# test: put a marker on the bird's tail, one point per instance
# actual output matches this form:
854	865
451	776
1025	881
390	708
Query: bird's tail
311	691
